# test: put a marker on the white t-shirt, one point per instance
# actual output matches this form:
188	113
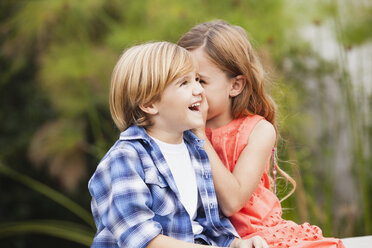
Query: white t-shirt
179	162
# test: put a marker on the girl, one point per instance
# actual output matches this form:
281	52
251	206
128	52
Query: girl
240	135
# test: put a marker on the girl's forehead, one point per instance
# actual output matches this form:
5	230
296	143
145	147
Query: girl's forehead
206	68
202	58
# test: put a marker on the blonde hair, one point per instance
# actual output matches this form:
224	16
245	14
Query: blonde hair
228	47
140	77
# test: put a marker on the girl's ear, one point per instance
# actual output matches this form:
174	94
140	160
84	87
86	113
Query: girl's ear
237	85
149	108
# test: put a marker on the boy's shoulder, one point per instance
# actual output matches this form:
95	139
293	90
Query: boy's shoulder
126	154
130	142
120	148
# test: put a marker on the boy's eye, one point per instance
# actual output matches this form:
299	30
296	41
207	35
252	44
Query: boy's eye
183	83
201	81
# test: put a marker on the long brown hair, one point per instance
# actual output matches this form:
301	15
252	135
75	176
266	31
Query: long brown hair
228	47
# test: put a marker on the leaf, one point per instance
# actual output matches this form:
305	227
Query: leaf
61	229
48	192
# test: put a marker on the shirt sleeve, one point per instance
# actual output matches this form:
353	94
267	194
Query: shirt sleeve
123	199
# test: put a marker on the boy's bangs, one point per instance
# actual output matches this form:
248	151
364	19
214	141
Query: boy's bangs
184	66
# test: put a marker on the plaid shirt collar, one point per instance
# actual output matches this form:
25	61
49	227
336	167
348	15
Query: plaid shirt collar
137	133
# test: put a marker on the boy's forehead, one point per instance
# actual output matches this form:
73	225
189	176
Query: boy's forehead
187	75
183	77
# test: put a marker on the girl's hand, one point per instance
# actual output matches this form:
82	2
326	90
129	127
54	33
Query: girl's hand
200	132
204	107
254	242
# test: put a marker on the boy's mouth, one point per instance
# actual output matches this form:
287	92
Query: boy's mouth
195	107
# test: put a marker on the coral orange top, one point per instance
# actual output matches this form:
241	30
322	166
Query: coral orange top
261	215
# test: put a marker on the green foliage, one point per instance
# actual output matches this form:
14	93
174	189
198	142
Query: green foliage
358	29
49	192
62	229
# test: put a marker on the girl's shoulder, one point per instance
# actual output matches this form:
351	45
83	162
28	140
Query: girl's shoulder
248	123
239	127
257	126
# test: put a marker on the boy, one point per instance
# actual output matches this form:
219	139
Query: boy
154	187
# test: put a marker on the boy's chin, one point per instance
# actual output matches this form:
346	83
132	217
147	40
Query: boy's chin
199	125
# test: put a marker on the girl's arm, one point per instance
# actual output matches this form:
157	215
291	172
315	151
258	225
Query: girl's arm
236	188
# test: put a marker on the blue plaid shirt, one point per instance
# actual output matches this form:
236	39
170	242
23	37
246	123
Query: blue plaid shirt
135	198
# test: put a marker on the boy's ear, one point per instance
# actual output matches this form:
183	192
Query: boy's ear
149	108
237	85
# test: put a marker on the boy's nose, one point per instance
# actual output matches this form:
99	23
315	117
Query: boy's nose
198	89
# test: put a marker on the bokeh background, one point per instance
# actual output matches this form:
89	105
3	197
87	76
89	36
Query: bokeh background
56	58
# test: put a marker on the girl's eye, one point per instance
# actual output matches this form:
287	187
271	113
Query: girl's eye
183	83
198	79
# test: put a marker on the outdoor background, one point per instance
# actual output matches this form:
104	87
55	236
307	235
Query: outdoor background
56	58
